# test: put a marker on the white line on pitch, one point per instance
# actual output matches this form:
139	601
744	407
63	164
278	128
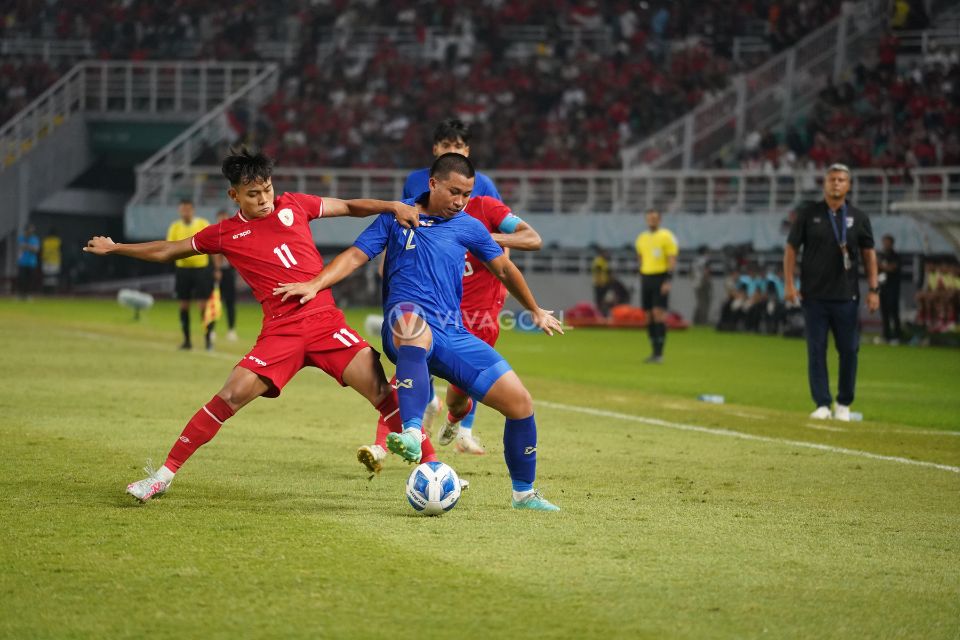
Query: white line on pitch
607	414
744	436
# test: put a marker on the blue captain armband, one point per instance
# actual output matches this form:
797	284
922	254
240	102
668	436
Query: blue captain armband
509	224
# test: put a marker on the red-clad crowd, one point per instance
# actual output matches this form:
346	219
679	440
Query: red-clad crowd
565	104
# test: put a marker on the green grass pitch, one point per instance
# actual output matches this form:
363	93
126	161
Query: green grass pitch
680	519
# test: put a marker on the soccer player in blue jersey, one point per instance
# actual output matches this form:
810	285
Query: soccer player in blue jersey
424	333
450	136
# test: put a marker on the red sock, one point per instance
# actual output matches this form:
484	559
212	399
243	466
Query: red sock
389	418
198	432
452	418
390	421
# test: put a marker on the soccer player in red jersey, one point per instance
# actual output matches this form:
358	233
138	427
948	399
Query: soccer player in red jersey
268	241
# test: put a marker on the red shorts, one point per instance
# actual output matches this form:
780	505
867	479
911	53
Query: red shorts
323	340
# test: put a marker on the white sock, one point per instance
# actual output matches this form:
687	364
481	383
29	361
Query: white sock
519	496
165	474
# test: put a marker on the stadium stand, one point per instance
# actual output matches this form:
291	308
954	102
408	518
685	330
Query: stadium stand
634	67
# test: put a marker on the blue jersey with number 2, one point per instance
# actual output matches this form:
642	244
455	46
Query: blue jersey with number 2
424	266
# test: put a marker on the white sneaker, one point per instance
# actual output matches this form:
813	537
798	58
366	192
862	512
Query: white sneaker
449	431
466	443
231	336
842	413
149	487
430	413
822	413
372	456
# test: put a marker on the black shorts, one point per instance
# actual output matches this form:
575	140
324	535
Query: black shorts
194	284
650	295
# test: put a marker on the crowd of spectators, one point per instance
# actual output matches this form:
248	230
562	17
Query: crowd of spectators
884	117
565	105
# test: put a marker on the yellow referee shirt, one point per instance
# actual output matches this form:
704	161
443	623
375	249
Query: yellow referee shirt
654	249
180	231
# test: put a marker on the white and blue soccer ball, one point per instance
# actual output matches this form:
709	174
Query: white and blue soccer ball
433	488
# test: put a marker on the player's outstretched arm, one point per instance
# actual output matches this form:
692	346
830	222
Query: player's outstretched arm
157	251
524	238
342	266
405	214
511	277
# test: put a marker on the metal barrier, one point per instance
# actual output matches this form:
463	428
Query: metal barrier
585	192
125	90
769	94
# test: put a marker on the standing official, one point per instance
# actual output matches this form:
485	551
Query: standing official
890	291
834	235
657	254
194	277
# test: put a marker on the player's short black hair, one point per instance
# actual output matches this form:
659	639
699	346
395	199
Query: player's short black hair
186	200
452	129
243	167
452	163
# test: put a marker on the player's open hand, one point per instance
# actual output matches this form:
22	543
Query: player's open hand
305	290
406	215
99	245
546	321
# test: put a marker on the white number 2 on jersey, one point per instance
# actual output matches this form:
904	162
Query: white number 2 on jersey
288	260
409	234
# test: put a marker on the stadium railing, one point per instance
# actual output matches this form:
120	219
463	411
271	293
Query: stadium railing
160	91
581	192
787	83
46	49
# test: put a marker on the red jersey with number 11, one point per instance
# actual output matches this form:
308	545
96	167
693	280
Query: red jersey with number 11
270	250
482	291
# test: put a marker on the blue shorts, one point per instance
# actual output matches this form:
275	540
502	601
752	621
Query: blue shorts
458	357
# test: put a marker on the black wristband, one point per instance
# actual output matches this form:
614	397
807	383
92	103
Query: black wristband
874	289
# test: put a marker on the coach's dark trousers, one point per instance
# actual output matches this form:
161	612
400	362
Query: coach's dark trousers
841	319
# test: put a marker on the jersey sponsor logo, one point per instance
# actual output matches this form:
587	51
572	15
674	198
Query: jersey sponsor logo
257	360
406	383
286	217
184	439
529	450
237	236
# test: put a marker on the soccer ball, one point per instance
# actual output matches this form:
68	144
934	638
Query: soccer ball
433	488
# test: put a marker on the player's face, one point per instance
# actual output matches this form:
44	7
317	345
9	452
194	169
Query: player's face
186	212
836	185
449	196
451	146
255	198
653	220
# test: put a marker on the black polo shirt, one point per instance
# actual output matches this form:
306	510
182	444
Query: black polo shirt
822	276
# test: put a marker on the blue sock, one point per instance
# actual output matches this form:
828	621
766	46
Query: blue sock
467	422
520	452
433	393
413	385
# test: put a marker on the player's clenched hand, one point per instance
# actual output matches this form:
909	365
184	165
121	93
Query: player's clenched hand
544	320
407	216
99	245
305	290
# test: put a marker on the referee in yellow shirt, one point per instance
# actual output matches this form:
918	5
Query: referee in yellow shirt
194	277
657	254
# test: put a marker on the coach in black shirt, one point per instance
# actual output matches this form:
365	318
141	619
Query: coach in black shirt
833	235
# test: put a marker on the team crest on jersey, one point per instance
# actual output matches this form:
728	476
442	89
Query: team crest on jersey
286	217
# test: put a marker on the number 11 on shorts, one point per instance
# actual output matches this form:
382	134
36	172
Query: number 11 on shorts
342	336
